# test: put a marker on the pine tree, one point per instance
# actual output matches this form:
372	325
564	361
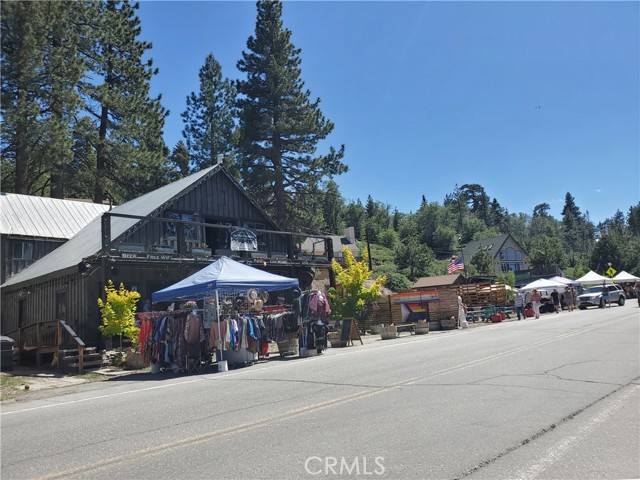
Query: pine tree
128	122
22	62
179	159
210	118
332	208
280	126
63	69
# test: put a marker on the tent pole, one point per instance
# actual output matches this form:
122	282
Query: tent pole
220	340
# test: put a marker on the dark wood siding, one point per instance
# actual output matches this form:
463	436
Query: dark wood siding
11	265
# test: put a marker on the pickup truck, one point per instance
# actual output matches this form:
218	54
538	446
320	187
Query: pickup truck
592	296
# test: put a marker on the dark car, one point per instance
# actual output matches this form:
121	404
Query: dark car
592	296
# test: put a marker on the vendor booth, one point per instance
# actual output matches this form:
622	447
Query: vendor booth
239	315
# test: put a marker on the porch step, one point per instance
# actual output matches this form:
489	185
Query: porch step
69	359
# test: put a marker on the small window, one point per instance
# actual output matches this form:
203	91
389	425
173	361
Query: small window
23	250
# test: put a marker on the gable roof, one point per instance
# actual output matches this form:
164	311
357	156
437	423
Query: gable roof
44	217
88	241
492	245
437	281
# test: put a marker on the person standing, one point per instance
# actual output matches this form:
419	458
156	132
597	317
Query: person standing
535	302
555	298
462	313
518	303
605	296
568	298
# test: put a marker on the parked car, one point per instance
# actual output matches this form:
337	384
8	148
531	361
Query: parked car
592	296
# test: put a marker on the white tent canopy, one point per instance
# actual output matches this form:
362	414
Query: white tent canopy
566	281
543	284
625	277
593	278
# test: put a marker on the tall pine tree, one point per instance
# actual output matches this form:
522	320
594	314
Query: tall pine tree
280	126
210	118
22	65
129	150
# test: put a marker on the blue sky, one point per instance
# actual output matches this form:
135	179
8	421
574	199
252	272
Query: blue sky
531	100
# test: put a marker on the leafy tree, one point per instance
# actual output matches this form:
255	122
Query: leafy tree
483	263
352	295
117	312
388	238
545	252
209	120
280	126
414	257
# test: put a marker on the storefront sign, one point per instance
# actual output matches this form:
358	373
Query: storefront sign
243	240
415	297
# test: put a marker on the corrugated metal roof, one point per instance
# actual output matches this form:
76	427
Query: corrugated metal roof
88	241
45	217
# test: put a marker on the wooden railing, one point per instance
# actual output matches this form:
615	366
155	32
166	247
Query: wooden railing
42	345
62	327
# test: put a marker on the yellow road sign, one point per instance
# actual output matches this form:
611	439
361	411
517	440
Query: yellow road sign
611	272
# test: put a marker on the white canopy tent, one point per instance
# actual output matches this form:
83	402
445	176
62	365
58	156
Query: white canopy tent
625	277
592	278
566	281
543	284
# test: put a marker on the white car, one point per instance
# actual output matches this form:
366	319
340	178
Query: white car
592	296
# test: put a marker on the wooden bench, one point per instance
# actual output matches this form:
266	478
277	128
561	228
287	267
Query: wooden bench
393	330
406	327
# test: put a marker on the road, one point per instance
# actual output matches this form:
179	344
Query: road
552	398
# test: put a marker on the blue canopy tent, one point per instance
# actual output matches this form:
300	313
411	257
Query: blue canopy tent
224	274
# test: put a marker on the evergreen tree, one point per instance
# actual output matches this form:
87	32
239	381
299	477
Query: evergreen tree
62	70
129	150
483	263
633	219
179	159
22	63
414	258
209	120
354	216
280	126
332	208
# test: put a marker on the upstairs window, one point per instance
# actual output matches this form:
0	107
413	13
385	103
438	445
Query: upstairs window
23	250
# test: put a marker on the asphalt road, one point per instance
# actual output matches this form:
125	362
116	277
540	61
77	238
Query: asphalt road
557	397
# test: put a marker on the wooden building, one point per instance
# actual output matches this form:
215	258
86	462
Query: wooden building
147	244
436	299
507	254
31	227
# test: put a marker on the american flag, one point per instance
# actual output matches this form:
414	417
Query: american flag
456	263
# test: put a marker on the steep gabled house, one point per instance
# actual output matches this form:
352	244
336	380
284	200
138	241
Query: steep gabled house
506	252
31	227
148	243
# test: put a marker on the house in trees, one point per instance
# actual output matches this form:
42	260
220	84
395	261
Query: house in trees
147	244
31	227
507	254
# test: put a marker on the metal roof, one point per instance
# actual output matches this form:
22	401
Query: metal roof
44	217
88	241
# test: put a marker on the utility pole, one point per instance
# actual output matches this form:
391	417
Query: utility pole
368	248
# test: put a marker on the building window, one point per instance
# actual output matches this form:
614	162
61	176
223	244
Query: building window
23	250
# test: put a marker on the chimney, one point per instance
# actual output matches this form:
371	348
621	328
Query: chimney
350	235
